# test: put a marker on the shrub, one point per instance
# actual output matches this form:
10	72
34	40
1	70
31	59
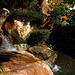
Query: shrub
72	12
69	1
28	15
58	12
38	37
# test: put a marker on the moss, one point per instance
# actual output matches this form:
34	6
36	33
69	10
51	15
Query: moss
38	37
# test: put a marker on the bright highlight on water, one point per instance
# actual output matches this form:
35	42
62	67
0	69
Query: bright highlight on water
6	45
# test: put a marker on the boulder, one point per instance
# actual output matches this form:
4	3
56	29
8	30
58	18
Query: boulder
16	30
22	63
44	53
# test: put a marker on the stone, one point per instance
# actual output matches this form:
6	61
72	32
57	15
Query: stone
45	8
64	23
21	47
6	11
44	53
16	30
22	63
1	31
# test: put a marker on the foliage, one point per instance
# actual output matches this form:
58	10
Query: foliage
54	3
29	15
14	3
35	6
2	69
60	10
38	37
69	1
72	12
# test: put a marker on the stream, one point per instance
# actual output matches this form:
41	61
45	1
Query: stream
6	45
64	64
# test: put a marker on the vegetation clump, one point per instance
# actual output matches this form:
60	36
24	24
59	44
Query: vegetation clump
38	37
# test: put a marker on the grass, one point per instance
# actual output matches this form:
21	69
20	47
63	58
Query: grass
2	70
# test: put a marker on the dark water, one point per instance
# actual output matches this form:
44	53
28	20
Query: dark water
66	64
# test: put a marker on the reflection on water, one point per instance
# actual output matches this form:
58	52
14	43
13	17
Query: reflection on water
6	45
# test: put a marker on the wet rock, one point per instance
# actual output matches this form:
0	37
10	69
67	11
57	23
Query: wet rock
44	53
21	47
22	63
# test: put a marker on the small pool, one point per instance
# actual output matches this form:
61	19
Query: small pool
65	64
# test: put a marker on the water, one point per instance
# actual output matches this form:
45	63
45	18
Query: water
6	45
56	68
64	65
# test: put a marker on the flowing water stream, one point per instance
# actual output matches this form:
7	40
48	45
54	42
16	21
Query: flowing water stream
6	45
64	64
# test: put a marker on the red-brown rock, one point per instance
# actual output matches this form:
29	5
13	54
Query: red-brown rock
44	53
1	31
45	8
22	63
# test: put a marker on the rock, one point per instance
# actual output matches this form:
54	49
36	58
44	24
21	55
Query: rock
44	53
22	63
6	11
21	47
16	30
64	23
65	17
45	8
1	31
1	36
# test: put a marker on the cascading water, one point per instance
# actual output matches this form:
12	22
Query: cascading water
55	68
6	45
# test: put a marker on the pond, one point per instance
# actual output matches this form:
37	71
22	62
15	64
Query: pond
66	65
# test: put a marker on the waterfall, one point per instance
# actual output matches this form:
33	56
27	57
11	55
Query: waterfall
55	68
6	45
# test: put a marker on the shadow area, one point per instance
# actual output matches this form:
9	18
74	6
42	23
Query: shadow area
63	38
5	56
